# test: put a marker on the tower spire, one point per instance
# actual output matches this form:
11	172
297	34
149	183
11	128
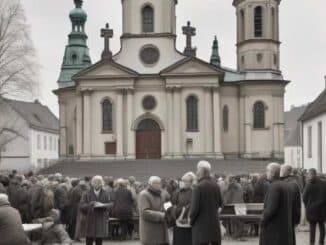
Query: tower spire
76	55
215	57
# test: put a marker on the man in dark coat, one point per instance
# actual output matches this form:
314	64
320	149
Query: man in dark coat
205	205
11	228
61	202
74	198
95	205
314	198
295	196
277	220
123	208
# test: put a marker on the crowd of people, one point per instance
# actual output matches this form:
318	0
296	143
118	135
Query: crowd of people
162	211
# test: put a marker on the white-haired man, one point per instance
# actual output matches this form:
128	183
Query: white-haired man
205	206
95	204
277	221
152	224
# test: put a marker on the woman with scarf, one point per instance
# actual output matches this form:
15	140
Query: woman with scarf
152	224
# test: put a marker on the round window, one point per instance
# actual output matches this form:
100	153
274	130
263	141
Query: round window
149	102
149	55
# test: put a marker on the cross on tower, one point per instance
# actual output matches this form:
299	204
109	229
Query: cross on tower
107	33
189	31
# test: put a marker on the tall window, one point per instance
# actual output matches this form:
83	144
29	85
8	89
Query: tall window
258	21
259	115
39	142
107	125
192	114
45	141
242	25
226	118
309	142
148	19
273	23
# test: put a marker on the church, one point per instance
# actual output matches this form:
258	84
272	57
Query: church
152	101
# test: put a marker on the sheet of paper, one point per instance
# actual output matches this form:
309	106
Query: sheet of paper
167	205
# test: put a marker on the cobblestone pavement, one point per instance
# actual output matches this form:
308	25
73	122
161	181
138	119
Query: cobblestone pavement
142	169
302	239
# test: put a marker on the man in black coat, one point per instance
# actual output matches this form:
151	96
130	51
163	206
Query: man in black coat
277	222
314	198
295	196
205	206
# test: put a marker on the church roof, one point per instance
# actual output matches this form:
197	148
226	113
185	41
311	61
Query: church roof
83	73
316	108
215	69
36	115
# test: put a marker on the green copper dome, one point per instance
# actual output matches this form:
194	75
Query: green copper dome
76	56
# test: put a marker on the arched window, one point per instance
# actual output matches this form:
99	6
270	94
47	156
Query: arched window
226	118
258	21
242	25
259	115
148	19
192	114
107	125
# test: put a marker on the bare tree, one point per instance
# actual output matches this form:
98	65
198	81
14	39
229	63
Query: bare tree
18	62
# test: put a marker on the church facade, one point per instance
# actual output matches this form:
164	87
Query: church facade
150	100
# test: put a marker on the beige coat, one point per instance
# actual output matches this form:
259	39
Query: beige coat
152	225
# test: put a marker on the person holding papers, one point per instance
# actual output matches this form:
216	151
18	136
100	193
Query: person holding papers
95	205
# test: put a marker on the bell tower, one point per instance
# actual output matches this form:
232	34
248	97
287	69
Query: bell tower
149	17
76	56
258	44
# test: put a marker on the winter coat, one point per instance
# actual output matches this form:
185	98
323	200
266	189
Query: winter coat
11	228
206	200
56	234
234	194
123	205
314	198
96	218
19	199
276	225
152	225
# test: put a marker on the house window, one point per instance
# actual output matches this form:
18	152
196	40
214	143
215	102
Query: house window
192	114
45	142
50	143
107	124
309	142
226	118
259	115
258	21
110	148
39	142
148	19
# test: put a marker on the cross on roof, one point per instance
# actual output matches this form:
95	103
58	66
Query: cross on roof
106	33
189	31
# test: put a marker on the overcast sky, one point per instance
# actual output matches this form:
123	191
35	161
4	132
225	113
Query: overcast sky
302	25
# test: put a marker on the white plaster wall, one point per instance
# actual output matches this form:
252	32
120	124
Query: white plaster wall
131	47
293	156
231	138
164	15
313	161
41	157
15	154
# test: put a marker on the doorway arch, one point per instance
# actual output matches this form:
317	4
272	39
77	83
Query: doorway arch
148	139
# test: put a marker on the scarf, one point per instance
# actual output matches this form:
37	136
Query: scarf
154	192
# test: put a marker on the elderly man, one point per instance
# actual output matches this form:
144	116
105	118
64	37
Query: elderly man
205	206
95	206
314	198
152	225
277	222
11	228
